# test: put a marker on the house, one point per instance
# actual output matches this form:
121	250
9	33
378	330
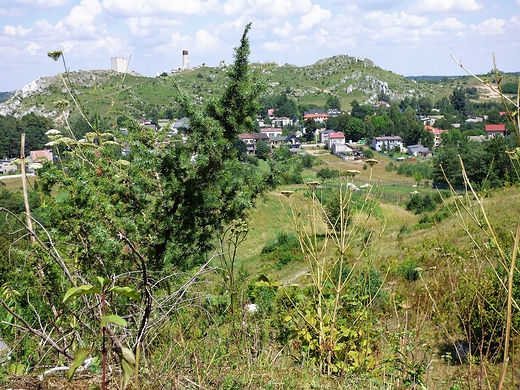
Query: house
386	142
418	151
40	156
277	141
492	130
436	134
381	103
178	126
477	138
341	149
336	138
7	166
317	115
324	136
250	139
332	112
282	121
271	131
293	143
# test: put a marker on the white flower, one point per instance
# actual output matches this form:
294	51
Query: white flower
53	132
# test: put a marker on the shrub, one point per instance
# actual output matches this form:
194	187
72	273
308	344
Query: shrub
409	270
421	203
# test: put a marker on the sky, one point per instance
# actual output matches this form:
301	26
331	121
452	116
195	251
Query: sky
407	37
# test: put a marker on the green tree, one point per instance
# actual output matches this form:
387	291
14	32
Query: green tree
310	127
333	102
458	100
262	149
148	217
356	129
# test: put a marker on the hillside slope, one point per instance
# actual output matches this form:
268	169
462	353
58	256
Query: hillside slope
349	78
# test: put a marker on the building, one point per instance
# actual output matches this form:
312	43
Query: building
336	138
418	151
492	130
250	139
386	143
185	60
40	156
317	115
119	64
436	134
7	166
272	131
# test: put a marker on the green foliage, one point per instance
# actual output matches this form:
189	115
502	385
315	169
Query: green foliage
421	203
487	164
424	169
327	173
263	149
368	153
409	269
283	251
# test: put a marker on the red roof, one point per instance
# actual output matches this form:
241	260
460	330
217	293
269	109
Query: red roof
434	130
500	127
336	135
41	155
315	116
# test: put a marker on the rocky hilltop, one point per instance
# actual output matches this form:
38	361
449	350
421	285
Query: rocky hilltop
349	78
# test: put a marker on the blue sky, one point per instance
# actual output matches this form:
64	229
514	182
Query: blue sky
408	37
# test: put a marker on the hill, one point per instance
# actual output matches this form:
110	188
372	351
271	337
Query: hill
348	78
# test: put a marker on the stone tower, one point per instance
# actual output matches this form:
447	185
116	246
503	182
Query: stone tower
185	60
119	64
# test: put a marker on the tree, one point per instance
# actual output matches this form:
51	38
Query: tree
425	105
458	100
333	102
427	140
310	127
150	216
262	149
360	111
356	129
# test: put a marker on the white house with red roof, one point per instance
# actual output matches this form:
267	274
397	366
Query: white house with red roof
492	130
335	138
436	134
316	115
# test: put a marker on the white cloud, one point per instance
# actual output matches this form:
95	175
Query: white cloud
402	19
82	21
490	27
276	47
515	21
206	41
316	16
233	7
43	3
19	30
285	31
146	26
448	24
440	6
160	7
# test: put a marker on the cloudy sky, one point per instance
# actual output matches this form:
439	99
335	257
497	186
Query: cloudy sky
408	37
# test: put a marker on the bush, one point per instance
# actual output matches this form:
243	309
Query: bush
409	270
368	153
420	204
284	250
